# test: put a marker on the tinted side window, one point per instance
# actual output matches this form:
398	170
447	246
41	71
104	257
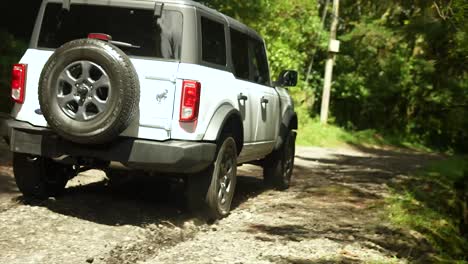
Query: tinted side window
156	37
260	71
240	54
213	42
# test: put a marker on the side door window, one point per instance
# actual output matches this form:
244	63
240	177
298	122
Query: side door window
259	73
213	42
240	54
265	98
241	70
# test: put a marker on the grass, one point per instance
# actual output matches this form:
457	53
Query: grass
427	203
312	133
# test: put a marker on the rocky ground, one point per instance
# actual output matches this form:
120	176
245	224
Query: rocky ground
333	213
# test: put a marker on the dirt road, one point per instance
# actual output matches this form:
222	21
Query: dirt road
333	213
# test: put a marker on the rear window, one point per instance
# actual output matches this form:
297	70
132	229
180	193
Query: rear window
158	37
213	42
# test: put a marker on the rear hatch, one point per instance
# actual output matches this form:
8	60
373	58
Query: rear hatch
152	42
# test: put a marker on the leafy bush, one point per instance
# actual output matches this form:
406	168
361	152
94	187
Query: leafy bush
428	203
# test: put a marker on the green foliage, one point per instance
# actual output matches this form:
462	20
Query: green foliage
292	30
11	51
401	70
427	203
313	133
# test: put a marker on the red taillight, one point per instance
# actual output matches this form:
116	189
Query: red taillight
18	82
99	36
190	101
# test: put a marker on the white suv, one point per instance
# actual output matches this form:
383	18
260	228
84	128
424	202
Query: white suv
155	86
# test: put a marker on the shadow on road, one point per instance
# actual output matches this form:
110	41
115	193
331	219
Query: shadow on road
8	189
7	184
350	189
247	187
137	201
336	197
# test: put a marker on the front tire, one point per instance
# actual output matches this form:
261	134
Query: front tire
38	177
278	166
212	190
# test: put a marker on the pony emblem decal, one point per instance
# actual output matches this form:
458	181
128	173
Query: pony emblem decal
162	96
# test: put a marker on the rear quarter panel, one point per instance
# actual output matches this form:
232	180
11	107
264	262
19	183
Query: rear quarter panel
217	88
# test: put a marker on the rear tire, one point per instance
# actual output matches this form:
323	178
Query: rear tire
278	166
211	191
38	177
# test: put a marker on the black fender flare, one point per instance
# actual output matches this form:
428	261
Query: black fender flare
288	122
218	121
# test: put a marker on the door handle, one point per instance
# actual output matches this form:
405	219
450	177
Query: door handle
264	100
242	97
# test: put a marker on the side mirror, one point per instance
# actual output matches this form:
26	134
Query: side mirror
287	78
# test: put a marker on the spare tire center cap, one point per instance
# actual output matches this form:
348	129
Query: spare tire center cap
83	89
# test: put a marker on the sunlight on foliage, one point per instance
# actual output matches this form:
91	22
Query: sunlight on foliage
428	204
401	70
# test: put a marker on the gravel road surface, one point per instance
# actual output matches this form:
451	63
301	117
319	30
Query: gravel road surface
333	213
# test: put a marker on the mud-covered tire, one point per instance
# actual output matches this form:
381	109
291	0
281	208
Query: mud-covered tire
211	191
121	105
38	177
278	166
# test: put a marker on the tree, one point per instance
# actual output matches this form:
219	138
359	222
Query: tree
402	69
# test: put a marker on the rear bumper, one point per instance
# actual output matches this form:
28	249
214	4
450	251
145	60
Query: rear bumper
168	156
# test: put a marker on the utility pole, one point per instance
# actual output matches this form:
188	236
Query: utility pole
333	48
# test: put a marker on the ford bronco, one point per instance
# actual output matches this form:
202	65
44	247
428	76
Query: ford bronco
165	86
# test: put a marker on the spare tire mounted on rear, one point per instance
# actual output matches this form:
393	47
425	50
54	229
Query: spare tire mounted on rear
89	91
